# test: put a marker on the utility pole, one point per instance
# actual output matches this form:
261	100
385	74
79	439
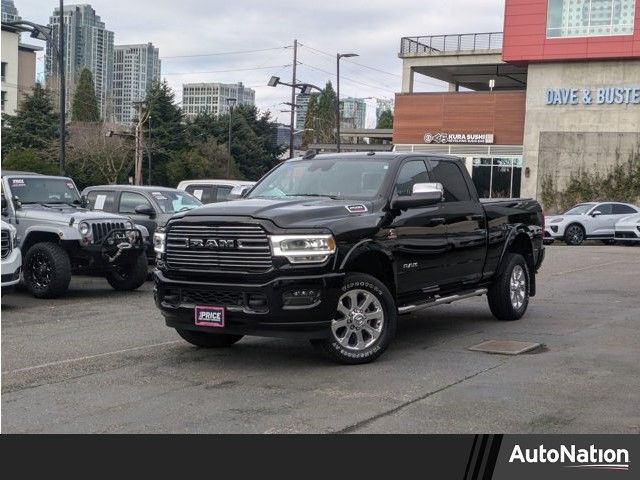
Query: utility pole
149	150
293	99
63	99
339	56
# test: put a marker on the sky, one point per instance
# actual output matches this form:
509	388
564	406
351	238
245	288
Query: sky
187	32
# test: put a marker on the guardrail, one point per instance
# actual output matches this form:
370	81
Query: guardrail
439	44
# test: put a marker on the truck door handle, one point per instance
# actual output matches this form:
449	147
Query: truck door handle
437	221
477	217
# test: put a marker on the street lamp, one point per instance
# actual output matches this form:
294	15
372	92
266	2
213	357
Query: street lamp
338	57
305	89
231	102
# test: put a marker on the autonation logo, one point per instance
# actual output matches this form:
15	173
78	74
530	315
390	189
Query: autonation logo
573	457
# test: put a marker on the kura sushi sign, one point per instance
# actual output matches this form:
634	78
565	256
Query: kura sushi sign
593	96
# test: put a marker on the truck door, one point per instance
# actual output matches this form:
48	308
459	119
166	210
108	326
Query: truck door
464	218
420	246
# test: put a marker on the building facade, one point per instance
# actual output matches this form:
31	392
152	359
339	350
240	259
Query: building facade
555	94
9	11
302	105
353	112
213	98
18	68
135	69
88	44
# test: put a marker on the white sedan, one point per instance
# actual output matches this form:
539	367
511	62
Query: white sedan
628	229
587	221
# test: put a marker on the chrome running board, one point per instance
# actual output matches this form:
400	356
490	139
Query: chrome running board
442	301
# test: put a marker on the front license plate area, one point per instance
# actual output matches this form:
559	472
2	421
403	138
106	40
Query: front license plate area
207	316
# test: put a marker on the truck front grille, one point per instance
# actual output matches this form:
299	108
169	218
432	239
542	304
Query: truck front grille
215	248
6	243
101	229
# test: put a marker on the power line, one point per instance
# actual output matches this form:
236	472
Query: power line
227	71
385	88
236	52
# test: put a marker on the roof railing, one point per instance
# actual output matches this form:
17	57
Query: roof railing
445	44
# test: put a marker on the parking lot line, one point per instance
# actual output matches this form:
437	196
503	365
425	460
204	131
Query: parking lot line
89	357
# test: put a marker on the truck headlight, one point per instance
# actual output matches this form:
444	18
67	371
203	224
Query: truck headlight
84	228
159	242
303	248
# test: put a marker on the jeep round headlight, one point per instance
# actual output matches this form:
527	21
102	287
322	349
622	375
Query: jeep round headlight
84	228
159	242
128	225
303	248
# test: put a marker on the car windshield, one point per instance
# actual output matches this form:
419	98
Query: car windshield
30	190
172	202
335	178
581	209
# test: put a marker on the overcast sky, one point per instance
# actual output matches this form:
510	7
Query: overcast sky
371	28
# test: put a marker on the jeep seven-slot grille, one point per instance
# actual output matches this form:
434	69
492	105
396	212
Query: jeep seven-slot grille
101	229
211	248
6	243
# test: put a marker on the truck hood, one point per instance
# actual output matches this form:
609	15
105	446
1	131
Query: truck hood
63	214
289	213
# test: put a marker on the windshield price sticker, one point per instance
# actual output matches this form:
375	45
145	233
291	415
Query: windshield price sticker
18	182
99	205
159	196
70	185
197	194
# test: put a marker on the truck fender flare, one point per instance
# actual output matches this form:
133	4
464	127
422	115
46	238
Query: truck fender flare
63	233
515	231
364	246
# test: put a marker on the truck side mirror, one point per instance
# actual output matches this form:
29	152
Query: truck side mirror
422	195
145	210
84	202
238	192
17	204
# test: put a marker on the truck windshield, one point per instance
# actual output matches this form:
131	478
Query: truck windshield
172	202
44	190
335	178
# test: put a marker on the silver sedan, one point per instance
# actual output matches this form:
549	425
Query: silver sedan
587	221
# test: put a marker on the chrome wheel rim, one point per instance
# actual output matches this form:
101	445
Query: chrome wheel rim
575	234
359	320
518	287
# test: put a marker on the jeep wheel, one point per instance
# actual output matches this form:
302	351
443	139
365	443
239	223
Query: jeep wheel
364	323
129	276
47	270
208	340
509	295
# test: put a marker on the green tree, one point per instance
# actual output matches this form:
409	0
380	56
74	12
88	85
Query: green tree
35	124
85	104
29	160
386	119
326	116
168	132
207	159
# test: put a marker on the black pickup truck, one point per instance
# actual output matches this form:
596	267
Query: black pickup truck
332	248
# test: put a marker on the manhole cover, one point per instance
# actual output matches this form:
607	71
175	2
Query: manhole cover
505	347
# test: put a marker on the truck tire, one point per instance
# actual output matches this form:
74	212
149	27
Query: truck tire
129	277
208	340
47	270
364	323
574	234
509	295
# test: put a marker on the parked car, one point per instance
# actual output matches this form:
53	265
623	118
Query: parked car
587	221
333	248
213	191
148	206
627	230
11	257
59	236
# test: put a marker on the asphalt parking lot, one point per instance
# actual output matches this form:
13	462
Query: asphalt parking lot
103	361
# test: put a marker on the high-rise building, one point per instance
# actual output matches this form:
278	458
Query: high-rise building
212	97
87	44
302	104
135	69
9	11
353	112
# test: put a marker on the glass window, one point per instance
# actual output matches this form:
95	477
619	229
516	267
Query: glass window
604	208
175	201
497	177
204	193
45	190
452	179
589	18
129	201
101	200
411	173
619	209
222	192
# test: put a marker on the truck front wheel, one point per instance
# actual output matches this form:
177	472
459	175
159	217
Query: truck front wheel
364	323
47	270
129	276
509	294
